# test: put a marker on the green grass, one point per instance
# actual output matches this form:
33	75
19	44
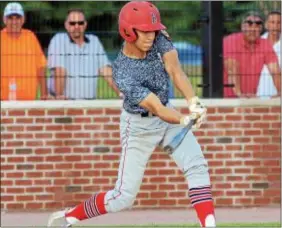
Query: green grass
271	224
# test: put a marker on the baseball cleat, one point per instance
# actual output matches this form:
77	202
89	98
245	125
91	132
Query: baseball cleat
58	219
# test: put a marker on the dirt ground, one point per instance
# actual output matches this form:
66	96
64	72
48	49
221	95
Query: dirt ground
136	217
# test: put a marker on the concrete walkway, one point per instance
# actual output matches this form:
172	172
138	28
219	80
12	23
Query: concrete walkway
135	217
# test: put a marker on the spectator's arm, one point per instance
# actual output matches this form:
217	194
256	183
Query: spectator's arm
275	71
42	81
56	63
271	61
60	81
107	73
232	68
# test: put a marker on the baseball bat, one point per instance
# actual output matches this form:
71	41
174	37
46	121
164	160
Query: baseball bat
175	142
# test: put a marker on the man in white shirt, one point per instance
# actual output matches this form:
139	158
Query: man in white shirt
266	88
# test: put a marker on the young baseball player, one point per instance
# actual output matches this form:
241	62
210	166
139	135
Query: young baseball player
141	71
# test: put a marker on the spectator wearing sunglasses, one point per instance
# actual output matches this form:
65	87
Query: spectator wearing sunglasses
76	60
23	63
245	53
266	88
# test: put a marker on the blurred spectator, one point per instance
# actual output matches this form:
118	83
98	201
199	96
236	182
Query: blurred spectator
266	86
23	63
76	59
245	53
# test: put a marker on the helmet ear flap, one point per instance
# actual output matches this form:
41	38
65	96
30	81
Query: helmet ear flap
127	32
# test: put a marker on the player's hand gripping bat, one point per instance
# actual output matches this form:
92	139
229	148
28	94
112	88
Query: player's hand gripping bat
175	142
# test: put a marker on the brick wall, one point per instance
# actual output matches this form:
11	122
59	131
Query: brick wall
53	157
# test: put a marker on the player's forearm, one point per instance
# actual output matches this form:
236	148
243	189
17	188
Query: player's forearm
60	80
184	85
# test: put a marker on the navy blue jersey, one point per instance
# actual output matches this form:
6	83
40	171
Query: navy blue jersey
136	78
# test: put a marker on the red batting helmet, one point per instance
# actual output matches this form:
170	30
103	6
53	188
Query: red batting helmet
140	15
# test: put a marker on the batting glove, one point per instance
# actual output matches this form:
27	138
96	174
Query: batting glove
197	109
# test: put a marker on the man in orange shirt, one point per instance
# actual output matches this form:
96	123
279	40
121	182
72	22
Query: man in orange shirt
23	63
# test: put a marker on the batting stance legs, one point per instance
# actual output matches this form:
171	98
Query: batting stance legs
139	138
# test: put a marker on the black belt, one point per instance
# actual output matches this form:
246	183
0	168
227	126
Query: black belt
146	114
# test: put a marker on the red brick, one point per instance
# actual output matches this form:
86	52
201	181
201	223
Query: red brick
72	127
101	119
75	112
215	133
92	127
23	182
61	150
36	112
16	112
82	166
34	206
63	166
7	136
54	128
224	201
261	201
14	174
270	117
43	120
15	159
243	185
56	112
81	149
34	128
7	121
215	163
111	127
15	190
242	170
24	120
261	110
7	167
225	110
233	163
81	135
167	202
275	109
233	117
34	143
97	180
100	165
109	111
15	128
223	155
234	193
167	187
111	142
148	202
261	140
92	142
94	112
233	133
24	136
42	151
252	132
214	118
14	206
34	174
148	187
243	201
224	125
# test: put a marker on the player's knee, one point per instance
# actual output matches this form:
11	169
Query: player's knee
198	174
123	203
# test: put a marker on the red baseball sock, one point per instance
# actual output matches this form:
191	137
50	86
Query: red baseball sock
201	199
90	208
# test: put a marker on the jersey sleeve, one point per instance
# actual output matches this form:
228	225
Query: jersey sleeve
132	89
164	43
